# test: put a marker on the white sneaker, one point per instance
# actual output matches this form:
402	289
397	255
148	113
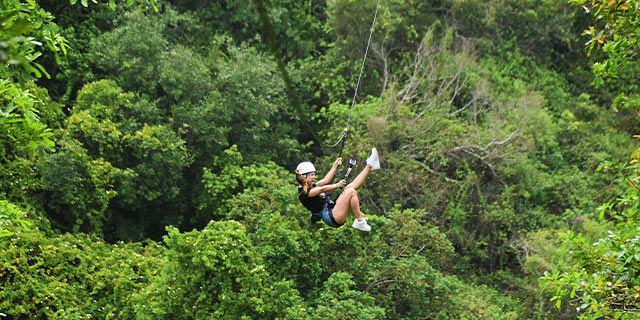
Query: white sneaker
373	160
361	225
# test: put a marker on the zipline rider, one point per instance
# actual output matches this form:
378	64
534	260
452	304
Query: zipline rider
313	195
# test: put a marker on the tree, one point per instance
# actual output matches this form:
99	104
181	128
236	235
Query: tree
215	273
26	31
130	53
297	24
13	220
112	3
602	280
77	189
262	123
72	276
21	133
260	196
614	41
123	133
616	33
339	300
398	28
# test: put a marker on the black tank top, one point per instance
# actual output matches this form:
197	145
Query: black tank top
314	204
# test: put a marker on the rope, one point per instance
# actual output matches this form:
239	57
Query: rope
345	131
293	98
355	93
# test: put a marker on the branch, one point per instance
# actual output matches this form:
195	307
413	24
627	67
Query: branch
380	52
437	174
380	283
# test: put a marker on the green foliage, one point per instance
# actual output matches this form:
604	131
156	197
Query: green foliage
613	43
502	27
24	136
565	134
227	180
616	34
77	189
338	300
261	121
243	104
602	281
220	186
260	196
112	3
204	126
130	53
406	232
12	220
26	30
160	156
21	133
399	26
18	181
395	264
72	276
495	158
289	250
106	101
104	115
478	302
446	122
297	24
542	252
121	131
98	134
183	76
410	286
214	274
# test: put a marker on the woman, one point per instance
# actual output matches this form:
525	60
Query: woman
313	195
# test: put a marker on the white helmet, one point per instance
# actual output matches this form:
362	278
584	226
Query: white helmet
305	167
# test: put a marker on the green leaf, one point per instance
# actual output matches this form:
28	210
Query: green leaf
5	233
84	3
19	27
598	81
41	68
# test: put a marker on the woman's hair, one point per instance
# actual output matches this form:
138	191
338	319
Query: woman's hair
300	179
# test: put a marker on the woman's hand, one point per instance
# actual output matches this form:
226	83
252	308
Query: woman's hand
341	183
332	172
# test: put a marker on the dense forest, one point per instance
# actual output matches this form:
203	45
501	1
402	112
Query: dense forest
148	149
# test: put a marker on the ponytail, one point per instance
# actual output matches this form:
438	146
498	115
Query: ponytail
300	179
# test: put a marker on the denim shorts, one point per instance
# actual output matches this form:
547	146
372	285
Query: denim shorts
326	215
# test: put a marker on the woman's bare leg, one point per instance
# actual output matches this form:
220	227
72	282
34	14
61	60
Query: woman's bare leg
344	202
359	180
348	199
355	206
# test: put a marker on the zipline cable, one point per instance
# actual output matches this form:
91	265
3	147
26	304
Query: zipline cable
345	131
293	97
